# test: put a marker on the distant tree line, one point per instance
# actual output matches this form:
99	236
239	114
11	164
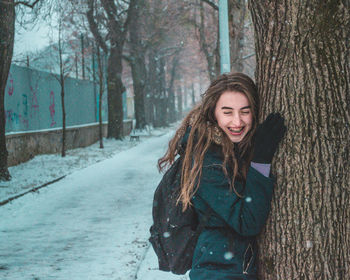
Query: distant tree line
165	51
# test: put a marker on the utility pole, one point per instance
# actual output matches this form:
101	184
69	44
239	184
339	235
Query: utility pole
224	37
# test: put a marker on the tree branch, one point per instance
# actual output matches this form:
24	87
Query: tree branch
94	28
27	4
132	5
211	4
248	56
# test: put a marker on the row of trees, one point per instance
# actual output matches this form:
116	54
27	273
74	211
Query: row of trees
155	43
303	71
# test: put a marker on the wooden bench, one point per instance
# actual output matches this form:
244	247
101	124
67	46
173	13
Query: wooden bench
135	137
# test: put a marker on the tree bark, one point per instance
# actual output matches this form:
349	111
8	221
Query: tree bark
63	150
151	86
61	80
7	32
101	82
138	65
170	90
303	71
237	13
210	55
179	103
160	101
115	89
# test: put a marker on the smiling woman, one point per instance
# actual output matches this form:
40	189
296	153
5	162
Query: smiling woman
233	115
226	158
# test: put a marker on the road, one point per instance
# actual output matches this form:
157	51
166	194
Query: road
93	224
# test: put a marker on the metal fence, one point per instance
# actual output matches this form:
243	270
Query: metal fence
33	101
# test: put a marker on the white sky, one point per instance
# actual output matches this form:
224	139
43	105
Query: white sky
31	40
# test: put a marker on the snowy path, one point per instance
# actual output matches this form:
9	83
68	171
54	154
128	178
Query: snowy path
93	224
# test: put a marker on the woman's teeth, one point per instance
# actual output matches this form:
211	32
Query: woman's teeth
235	131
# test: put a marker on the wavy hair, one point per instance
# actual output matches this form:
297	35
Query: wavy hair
236	157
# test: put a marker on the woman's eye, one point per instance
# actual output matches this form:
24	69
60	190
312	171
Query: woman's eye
245	112
227	113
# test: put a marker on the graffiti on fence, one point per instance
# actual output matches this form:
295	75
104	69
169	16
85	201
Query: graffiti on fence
52	108
34	103
10	89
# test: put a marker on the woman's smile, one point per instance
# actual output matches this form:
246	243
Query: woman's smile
233	115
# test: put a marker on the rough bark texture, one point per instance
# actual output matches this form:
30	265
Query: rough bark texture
63	150
138	64
101	80
236	13
159	95
303	71
151	86
115	89
7	29
170	90
210	50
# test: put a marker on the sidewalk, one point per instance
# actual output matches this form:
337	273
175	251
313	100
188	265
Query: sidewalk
93	224
46	168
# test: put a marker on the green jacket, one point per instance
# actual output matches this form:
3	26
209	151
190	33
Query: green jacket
227	248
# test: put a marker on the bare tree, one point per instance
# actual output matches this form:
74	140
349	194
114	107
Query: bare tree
108	23
207	27
137	59
7	33
65	65
303	71
101	83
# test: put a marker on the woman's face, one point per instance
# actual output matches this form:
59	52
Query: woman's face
234	115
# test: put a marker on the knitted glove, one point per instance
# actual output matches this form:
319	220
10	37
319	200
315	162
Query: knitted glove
267	137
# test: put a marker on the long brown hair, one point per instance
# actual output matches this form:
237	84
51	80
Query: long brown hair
201	136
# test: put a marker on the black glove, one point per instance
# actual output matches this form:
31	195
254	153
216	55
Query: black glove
267	137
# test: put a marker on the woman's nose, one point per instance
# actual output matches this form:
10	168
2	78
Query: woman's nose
236	120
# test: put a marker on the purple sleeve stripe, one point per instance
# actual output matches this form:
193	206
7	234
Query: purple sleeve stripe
263	168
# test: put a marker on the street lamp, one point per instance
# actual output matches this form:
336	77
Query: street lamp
224	38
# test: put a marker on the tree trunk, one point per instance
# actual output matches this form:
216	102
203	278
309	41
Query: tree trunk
193	96
101	82
159	94
237	13
163	109
152	86
303	71
7	32
179	103
170	90
63	151
210	54
115	90
138	66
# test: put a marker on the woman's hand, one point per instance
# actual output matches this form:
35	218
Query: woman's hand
267	137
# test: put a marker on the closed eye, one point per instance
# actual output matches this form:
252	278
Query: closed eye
245	112
227	113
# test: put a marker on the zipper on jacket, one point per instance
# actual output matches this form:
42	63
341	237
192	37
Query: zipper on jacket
246	267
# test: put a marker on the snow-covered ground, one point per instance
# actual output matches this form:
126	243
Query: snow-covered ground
92	224
46	168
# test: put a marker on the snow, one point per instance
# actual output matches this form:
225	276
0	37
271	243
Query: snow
92	224
45	168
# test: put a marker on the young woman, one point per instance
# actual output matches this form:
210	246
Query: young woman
225	169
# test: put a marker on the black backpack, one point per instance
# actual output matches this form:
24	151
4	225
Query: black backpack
174	233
